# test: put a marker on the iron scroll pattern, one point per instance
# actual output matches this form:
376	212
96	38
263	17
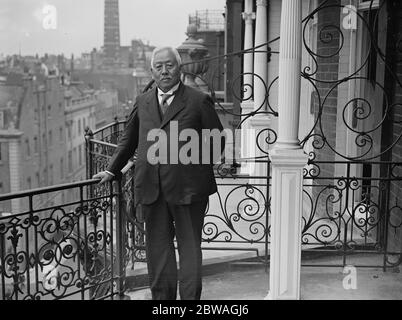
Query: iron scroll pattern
359	118
350	214
238	214
349	200
60	251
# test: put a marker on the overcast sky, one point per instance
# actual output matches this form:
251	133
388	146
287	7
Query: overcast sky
80	24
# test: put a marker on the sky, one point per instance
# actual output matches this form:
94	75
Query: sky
25	27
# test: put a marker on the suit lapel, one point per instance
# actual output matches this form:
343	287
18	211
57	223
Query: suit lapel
176	106
153	107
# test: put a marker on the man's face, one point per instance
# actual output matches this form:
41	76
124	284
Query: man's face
165	70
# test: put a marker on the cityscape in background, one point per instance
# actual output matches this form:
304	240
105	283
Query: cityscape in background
48	102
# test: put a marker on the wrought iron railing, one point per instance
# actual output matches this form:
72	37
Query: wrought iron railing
65	249
351	214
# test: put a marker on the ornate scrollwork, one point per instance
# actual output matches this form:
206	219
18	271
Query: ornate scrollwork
240	216
56	252
357	111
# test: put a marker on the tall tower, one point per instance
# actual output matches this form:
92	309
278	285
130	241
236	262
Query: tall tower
112	32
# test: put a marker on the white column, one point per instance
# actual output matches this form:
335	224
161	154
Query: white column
248	58
260	122
289	74
247	105
261	57
288	160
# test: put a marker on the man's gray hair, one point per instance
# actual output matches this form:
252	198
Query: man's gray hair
159	49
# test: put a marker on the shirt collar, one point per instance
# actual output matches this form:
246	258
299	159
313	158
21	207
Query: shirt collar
171	91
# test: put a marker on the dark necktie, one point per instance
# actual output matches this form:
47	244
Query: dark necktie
164	104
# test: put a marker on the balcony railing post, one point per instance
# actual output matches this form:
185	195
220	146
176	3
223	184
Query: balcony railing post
120	238
89	147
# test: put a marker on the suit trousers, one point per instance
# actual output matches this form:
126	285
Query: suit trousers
164	221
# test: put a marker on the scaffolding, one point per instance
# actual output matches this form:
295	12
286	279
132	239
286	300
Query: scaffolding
208	20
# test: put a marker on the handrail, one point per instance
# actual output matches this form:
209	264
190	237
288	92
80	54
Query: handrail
107	144
355	162
250	50
117	122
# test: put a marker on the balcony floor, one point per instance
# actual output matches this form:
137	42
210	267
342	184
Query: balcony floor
243	281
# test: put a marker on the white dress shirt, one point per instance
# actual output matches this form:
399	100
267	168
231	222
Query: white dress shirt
171	91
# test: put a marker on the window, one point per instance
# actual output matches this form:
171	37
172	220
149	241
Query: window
365	4
62	168
0	152
68	131
51	174
36	144
50	138
80	155
372	59
27	147
1	119
70	161
369	11
29	183
37	179
75	156
79	126
44	176
61	134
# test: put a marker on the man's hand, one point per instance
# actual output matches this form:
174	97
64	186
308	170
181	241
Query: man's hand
104	176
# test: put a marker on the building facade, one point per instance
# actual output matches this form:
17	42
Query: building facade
33	134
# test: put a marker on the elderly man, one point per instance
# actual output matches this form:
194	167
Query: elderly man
173	195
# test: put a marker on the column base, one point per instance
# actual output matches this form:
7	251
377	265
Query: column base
286	217
288	145
270	296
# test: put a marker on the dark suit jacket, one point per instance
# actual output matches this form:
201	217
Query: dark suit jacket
180	183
